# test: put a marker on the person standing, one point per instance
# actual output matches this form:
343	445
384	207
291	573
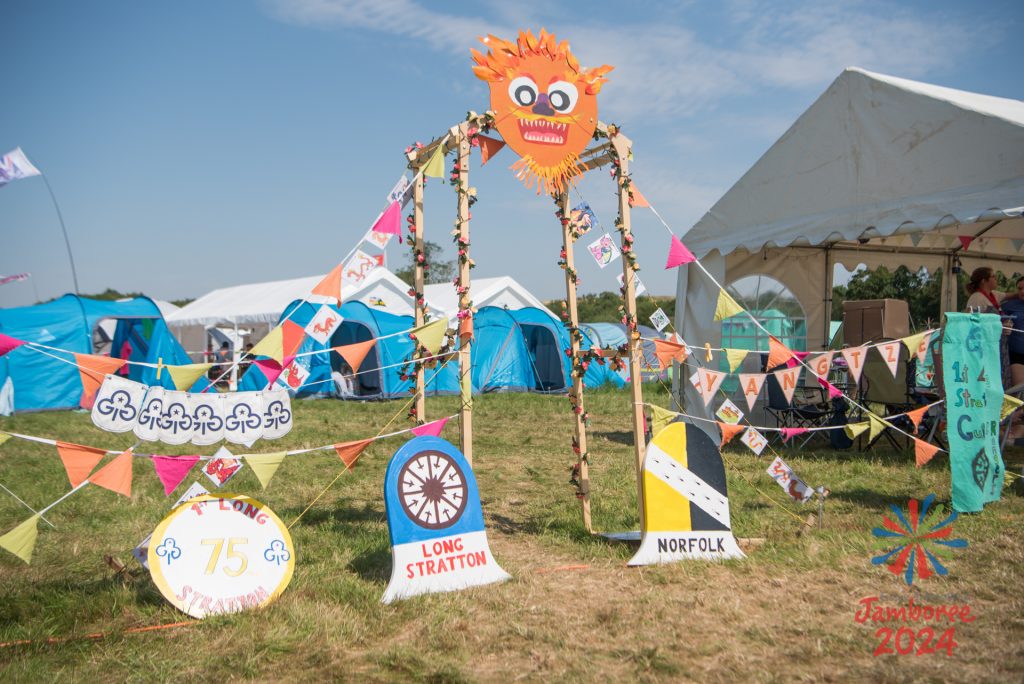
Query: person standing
982	293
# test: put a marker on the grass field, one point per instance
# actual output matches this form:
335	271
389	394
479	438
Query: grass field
786	613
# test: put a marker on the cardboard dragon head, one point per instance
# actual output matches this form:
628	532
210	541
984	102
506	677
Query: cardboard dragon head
544	104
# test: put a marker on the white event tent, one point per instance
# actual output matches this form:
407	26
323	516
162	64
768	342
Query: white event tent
878	171
503	291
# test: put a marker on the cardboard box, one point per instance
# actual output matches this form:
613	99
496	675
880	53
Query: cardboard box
873	320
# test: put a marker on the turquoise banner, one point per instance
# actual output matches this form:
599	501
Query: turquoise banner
974	395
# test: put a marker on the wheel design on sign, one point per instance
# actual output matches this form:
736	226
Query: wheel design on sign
432	490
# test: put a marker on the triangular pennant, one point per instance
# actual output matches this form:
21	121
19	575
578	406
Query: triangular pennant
271	368
965	241
915	238
390	222
349	452
853	430
833	391
93	369
728	432
433	429
923	451
790	433
727	306
636	198
735	358
854	357
116	475
330	286
678	254
1010	404
431	335
4	437
821	364
914	343
778	353
466	329
916	415
272	345
710	381
875	426
292	336
8	343
355	353
265	465
21	541
787	379
185	376
666	352
488	148
751	384
890	352
79	460
435	167
1017	244
660	419
172	470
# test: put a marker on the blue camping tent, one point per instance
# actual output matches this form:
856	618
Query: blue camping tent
379	374
613	335
546	342
501	361
43	382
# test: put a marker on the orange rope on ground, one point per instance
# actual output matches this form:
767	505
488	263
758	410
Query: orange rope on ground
97	635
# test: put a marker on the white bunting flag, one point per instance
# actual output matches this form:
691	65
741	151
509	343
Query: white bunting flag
15	165
708	383
176	420
207	417
855	360
148	427
243	417
659	320
379	239
638	287
359	266
323	324
751	384
754	440
277	413
788	379
293	377
401	193
821	364
118	404
603	250
890	352
790	483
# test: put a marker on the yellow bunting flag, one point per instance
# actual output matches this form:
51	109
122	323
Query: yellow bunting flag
778	353
349	452
435	167
735	357
21	541
264	465
272	345
727	306
729	431
79	460
1010	404
666	351
93	370
660	419
853	430
431	335
4	437
913	342
355	353
875	426
116	475
916	415
185	376
330	286
923	451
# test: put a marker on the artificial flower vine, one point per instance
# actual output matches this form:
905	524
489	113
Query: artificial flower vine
422	358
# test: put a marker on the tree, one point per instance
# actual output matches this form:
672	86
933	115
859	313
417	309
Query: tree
437	271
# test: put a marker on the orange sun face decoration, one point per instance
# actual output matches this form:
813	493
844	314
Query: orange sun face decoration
544	103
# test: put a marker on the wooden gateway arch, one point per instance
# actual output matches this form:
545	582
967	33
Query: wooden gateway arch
610	147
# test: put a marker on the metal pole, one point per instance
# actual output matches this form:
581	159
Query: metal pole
67	242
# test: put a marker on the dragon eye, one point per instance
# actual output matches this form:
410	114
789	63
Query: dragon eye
562	96
523	91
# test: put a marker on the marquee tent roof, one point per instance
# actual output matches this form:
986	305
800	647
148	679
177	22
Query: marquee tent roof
503	292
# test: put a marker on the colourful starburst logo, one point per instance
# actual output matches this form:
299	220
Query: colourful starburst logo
921	540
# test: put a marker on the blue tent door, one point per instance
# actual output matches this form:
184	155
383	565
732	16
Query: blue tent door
545	356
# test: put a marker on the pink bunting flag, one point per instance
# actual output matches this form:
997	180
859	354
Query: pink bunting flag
8	343
833	391
433	429
390	222
678	254
271	368
965	241
790	433
126	353
172	470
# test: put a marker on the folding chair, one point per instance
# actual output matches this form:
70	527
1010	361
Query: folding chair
810	407
895	394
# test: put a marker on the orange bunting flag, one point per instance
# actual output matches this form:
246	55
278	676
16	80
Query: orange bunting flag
93	369
466	328
923	451
349	452
330	286
79	460
778	353
751	384
355	353
667	351
728	432
916	415
636	199
855	361
292	336
488	148
116	475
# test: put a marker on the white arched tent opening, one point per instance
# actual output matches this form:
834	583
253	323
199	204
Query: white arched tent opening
878	171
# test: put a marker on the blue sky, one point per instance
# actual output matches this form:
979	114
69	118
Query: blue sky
195	145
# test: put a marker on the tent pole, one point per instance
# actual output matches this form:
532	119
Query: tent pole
622	145
419	288
465	300
582	469
829	278
234	360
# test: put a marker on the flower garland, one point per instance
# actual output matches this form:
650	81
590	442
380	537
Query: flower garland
481	124
423	358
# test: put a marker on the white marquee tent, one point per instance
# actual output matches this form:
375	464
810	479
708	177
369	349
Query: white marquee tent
502	291
878	171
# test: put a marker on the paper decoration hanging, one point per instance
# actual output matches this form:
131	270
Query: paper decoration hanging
176	424
379	239
221	554
277	414
638	286
659	319
270	368
401	193
582	218
118	404
329	286
855	361
1010	404
15	165
678	254
545	105
272	344
729	412
21	541
636	198
360	266
916	415
778	353
685	500
727	306
436	524
322	326
78	460
604	250
918	344
667	352
661	419
754	440
432	429
92	370
751	384
854	430
172	470
222	467
434	168
264	466
890	352
294	376
790	483
148	427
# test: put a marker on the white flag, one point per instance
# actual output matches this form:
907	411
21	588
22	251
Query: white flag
323	324
15	165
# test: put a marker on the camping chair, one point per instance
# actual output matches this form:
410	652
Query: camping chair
895	394
810	407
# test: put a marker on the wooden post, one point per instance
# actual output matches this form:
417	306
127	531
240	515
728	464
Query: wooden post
579	425
465	301
417	197
622	145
